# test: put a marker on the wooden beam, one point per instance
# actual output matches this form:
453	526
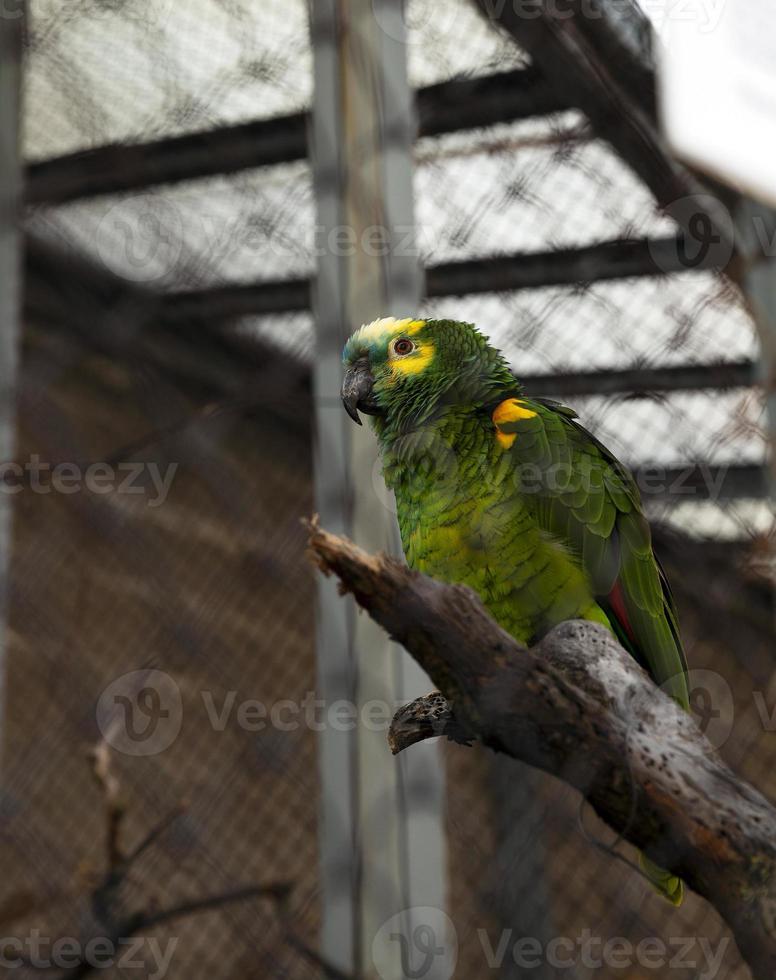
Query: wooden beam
644	380
604	261
116	168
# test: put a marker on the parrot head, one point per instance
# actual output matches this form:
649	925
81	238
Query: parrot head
404	372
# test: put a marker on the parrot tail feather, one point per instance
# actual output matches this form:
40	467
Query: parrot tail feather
664	883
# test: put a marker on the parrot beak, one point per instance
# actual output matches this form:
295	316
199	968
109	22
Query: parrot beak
357	391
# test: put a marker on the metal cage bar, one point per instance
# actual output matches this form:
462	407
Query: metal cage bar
10	279
382	844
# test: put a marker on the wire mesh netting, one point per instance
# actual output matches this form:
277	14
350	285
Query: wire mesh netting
103	72
201	598
179	584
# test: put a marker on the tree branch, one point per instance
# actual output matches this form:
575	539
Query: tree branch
579	707
426	717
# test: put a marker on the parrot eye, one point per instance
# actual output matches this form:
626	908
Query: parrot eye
402	347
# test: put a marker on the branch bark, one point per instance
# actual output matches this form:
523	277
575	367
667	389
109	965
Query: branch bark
579	707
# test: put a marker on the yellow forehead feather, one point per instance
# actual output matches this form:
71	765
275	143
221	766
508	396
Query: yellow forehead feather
389	326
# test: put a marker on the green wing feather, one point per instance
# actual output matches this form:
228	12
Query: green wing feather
591	503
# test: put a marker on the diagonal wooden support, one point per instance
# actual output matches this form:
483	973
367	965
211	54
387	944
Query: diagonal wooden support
575	53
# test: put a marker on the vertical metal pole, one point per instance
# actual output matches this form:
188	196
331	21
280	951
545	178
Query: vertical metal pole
382	840
757	244
334	649
11	20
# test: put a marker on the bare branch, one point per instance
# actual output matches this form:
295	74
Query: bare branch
156	832
114	803
426	717
579	707
276	890
133	924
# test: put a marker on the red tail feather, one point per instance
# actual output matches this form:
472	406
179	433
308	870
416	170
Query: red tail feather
617	603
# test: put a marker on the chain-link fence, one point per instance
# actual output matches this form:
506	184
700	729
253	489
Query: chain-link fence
160	599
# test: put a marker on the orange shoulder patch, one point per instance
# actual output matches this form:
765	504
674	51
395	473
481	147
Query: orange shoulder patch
510	410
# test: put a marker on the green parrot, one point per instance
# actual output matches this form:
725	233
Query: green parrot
511	496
